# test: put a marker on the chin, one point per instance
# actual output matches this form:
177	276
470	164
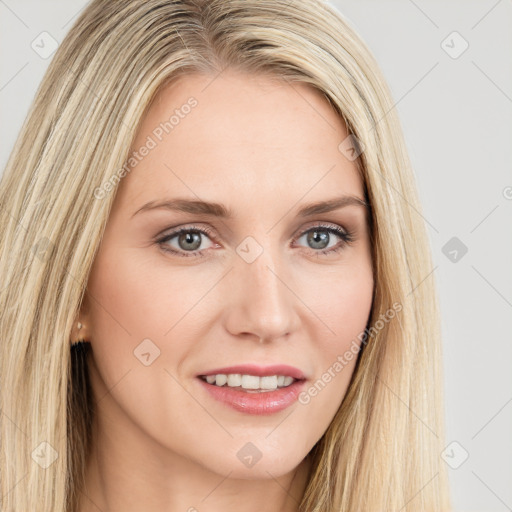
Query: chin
261	459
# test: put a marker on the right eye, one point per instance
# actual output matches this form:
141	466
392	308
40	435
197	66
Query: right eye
188	237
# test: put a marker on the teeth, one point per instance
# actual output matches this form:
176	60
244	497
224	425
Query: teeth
234	380
250	382
268	382
288	381
220	379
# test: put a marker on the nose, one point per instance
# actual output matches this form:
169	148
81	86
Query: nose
262	303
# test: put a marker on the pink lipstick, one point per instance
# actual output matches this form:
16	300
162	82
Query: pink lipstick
254	389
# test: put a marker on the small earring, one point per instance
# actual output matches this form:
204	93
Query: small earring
79	325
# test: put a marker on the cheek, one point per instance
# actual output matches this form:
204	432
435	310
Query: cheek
129	314
343	308
341	300
134	298
134	304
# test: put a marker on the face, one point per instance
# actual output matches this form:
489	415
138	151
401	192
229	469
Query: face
260	287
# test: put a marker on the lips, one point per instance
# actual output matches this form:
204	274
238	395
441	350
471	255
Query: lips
252	401
260	403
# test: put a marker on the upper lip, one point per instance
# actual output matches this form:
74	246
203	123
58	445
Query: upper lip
260	371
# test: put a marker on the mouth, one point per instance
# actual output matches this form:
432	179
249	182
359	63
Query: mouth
254	389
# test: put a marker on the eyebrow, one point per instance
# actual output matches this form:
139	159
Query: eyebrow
219	210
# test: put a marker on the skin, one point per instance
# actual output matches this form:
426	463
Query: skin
263	148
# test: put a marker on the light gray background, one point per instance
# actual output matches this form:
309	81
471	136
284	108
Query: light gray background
456	114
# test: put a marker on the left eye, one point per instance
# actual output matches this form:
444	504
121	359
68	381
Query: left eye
320	236
189	240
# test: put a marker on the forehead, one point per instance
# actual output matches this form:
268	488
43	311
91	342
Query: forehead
239	136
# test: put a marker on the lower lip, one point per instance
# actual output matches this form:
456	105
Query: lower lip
265	402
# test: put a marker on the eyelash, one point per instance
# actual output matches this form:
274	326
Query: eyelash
346	239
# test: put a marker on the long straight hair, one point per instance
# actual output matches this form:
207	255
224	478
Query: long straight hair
381	451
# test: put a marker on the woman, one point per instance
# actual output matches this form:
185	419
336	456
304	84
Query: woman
289	359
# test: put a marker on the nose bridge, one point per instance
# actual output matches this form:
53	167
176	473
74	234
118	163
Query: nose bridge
264	304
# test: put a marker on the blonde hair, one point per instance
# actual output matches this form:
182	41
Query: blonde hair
382	450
